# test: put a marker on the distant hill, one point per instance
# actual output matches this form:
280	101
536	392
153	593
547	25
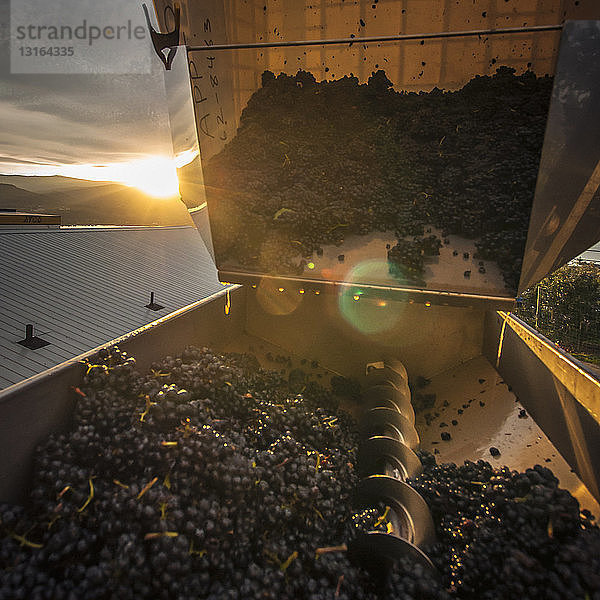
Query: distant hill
44	184
12	196
82	202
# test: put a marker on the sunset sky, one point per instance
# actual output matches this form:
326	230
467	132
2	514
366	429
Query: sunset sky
91	126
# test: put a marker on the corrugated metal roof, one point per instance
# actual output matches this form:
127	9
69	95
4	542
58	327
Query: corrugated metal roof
84	286
591	254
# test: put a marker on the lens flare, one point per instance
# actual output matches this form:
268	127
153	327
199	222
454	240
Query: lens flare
274	301
372	315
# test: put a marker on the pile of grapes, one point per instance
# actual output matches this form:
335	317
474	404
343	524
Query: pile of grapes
207	479
313	162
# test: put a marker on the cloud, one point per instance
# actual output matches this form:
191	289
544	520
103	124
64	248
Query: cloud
79	119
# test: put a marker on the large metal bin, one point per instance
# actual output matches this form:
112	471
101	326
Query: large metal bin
467	354
390	146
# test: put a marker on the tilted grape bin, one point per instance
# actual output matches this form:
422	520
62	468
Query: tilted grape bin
386	148
343	299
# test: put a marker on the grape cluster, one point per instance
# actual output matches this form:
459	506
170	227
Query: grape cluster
504	534
313	162
207	478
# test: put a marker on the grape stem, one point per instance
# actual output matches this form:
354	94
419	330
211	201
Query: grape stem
284	565
328	549
24	541
147	487
89	498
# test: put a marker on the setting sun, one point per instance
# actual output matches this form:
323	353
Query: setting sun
156	176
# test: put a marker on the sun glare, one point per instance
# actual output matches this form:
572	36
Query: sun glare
155	175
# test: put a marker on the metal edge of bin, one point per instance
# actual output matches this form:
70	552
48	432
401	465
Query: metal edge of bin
417	295
561	396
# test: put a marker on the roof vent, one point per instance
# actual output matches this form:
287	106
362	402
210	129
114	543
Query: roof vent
32	341
153	305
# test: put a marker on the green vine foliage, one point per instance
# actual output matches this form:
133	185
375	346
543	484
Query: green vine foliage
568	309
